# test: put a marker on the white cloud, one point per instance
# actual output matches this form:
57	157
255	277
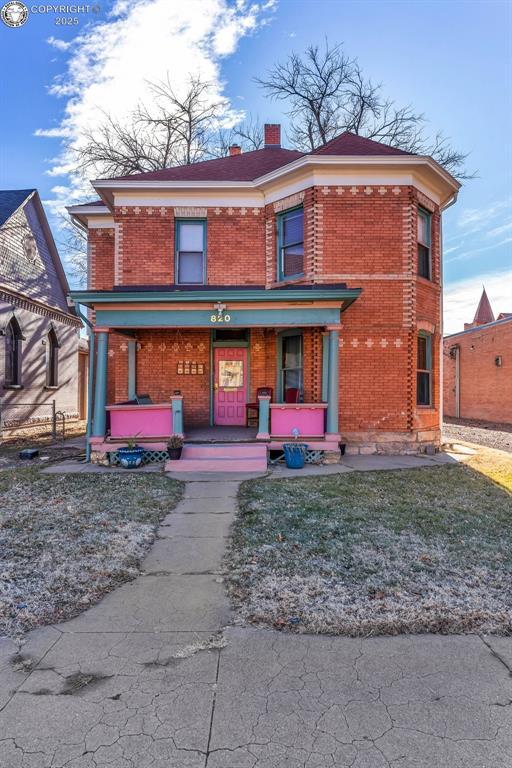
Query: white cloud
479	217
110	63
497	231
471	253
60	45
461	298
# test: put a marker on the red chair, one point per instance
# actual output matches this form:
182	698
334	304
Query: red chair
291	395
261	391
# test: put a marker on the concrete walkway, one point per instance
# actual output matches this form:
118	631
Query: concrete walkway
154	677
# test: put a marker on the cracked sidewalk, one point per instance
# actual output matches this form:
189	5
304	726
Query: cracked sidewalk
155	675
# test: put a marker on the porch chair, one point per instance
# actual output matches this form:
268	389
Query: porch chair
291	395
256	406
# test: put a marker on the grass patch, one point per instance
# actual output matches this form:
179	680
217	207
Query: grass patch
67	540
365	553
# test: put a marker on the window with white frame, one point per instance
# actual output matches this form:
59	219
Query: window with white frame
190	252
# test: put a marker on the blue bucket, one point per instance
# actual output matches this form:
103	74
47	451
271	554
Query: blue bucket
294	454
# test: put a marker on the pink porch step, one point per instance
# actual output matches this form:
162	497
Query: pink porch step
233	457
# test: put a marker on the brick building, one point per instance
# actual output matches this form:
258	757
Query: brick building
477	371
39	333
316	276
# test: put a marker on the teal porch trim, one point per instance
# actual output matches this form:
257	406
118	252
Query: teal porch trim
345	295
177	414
100	393
263	418
333	383
199	318
132	369
325	366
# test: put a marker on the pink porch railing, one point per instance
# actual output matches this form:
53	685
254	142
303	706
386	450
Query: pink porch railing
151	420
298	419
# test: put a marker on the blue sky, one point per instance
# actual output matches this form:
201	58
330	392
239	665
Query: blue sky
451	60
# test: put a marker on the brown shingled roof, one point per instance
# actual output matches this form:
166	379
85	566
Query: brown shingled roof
251	165
351	144
245	167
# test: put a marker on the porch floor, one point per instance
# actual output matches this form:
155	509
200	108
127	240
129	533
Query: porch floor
221	435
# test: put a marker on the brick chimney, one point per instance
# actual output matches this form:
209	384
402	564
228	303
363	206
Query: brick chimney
272	135
235	149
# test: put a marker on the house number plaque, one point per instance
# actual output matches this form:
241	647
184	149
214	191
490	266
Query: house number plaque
220	316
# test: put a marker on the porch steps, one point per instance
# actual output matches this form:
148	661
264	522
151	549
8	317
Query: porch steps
219	457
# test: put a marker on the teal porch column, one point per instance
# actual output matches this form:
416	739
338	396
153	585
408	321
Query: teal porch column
100	389
263	418
132	369
333	381
177	415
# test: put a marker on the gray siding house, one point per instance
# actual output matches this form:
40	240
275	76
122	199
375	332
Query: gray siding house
39	333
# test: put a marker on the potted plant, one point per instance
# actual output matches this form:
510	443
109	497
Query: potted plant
175	447
131	455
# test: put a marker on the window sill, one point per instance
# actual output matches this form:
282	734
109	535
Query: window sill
47	386
424	408
290	280
427	280
13	386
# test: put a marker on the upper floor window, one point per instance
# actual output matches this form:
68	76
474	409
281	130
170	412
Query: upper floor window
52	359
13	339
290	238
190	252
424	260
424	370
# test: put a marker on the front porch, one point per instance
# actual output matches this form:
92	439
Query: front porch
205	381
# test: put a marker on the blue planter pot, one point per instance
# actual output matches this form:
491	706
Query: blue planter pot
294	454
130	458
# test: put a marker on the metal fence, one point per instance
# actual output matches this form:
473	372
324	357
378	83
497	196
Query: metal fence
15	418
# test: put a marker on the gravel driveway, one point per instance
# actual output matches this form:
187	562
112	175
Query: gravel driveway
497	436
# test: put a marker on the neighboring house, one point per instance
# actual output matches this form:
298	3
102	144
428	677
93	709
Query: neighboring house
39	333
477	373
315	278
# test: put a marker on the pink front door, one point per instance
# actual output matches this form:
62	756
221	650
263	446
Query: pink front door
230	385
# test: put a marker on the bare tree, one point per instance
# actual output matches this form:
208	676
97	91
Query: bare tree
327	93
173	130
73	244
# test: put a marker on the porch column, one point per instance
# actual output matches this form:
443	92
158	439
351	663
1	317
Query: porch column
132	369
177	415
100	389
333	381
263	418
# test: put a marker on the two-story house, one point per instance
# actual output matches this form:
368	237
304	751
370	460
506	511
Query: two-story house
39	333
299	293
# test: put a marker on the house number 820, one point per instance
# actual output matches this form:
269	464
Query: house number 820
220	318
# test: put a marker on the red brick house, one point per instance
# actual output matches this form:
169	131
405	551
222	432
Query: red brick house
307	284
477	380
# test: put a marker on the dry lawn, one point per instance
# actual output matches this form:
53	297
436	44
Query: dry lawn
67	540
420	550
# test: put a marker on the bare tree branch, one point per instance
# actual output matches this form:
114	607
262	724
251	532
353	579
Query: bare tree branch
172	130
327	93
